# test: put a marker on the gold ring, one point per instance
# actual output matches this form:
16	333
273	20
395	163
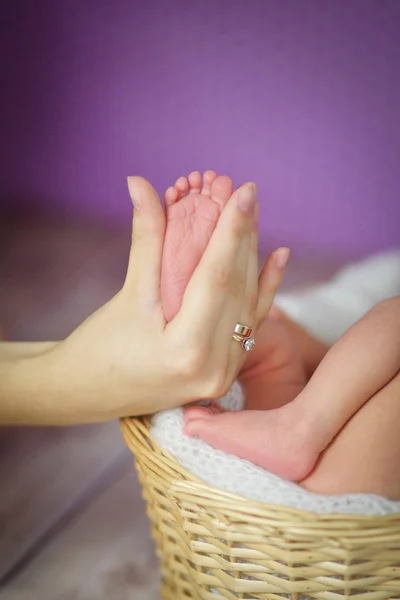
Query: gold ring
243	330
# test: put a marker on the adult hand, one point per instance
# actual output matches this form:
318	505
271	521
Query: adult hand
125	359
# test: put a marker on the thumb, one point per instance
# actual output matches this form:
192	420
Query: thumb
148	231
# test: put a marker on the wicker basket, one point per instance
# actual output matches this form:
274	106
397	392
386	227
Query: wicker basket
215	545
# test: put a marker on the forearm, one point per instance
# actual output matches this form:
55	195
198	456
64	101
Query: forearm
33	387
23	391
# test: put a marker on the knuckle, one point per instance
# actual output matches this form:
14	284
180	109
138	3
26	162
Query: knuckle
190	362
187	357
144	230
254	245
215	385
265	301
259	320
237	284
252	303
271	284
137	233
239	225
221	275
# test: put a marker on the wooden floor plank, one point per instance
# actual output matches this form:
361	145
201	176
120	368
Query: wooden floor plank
105	553
43	473
52	276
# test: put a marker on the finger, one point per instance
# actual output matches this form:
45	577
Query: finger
195	180
248	307
216	278
269	282
148	230
250	301
235	311
234	307
239	282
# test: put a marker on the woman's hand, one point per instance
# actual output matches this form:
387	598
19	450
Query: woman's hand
275	372
125	359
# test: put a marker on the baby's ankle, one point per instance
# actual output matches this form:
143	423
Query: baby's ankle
310	426
303	444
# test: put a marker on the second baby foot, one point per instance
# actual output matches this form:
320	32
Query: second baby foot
193	207
277	440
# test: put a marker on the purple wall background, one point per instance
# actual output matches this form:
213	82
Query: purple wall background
301	96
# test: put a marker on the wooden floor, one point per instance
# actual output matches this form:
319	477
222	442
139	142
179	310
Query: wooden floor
72	522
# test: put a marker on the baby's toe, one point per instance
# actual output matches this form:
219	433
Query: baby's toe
170	196
208	179
195	182
182	186
221	190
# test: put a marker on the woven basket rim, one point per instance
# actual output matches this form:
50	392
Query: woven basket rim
191	482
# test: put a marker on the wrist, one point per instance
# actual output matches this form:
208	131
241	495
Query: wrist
33	390
22	384
314	423
13	350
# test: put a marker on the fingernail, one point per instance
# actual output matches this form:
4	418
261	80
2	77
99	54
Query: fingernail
281	257
247	197
133	193
256	214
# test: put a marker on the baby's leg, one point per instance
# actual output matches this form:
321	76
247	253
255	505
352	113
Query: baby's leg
360	364
365	456
288	441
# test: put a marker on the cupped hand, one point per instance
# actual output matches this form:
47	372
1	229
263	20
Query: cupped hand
126	360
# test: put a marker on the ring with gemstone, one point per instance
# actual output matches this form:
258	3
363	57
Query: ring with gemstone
243	330
247	343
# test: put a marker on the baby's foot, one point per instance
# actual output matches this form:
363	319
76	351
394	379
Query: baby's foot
277	440
193	208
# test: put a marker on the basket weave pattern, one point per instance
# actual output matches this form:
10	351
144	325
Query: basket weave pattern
214	545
